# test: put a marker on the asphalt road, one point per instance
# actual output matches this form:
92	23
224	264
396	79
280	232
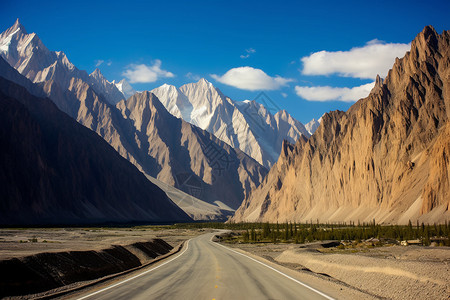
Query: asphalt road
207	270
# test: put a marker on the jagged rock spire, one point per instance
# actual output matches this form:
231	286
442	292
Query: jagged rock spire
17	26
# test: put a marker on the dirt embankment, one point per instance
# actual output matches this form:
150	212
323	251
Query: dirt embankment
45	271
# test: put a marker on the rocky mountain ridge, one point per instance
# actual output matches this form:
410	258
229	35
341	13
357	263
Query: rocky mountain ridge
28	55
386	158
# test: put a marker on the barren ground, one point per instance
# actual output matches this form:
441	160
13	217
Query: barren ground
389	272
24	242
392	272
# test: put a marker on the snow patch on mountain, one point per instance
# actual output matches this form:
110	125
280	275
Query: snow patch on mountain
125	88
312	125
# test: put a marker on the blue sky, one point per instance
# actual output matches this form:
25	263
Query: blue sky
176	42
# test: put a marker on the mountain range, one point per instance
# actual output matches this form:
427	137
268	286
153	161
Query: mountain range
140	128
56	171
256	129
385	159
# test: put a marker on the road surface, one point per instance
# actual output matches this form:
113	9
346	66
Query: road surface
207	270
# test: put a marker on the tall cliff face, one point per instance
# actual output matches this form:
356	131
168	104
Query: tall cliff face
386	158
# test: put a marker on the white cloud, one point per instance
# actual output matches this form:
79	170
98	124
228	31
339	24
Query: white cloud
249	51
193	76
376	57
328	93
146	73
98	62
375	41
284	95
251	79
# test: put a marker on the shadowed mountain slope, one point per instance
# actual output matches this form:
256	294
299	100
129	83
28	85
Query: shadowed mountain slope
55	171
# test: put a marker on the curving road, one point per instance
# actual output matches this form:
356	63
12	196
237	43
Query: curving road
207	270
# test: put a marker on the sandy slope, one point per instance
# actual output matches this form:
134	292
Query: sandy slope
197	209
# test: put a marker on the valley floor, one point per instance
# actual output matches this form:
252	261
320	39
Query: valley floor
387	272
30	241
42	262
392	272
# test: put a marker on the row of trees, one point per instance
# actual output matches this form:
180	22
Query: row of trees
308	232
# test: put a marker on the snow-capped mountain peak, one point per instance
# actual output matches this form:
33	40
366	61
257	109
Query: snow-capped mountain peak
125	88
17	27
108	89
312	125
203	81
246	125
174	101
97	74
27	54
